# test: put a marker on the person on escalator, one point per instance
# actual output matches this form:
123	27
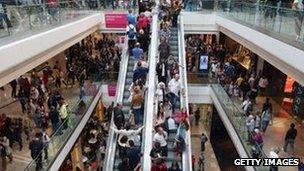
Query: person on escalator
176	7
136	106
119	118
137	53
144	40
140	73
164	49
130	133
131	32
158	163
175	88
161	71
133	154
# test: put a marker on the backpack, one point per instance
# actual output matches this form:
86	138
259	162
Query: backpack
131	33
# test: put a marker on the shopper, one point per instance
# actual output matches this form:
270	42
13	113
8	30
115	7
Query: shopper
175	88
131	32
290	138
119	118
36	147
204	139
266	118
161	137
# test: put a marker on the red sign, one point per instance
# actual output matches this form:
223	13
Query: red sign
116	20
111	90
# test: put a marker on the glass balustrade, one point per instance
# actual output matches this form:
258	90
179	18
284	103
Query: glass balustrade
238	119
26	18
77	108
277	19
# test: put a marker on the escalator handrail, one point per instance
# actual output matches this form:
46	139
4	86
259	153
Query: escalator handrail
151	92
186	157
112	139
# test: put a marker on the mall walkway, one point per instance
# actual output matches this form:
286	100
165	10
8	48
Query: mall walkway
196	131
22	158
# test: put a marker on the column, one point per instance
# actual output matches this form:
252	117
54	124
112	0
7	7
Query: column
260	65
76	156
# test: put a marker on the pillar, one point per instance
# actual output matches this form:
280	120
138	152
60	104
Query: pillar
260	65
76	156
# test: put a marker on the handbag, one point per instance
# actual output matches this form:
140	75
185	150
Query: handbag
131	119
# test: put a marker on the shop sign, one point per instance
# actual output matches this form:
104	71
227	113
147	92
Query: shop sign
116	20
111	90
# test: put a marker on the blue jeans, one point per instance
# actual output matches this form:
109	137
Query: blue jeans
173	100
138	116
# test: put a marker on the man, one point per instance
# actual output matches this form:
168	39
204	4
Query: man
161	137
164	49
144	40
267	105
137	52
3	16
140	73
290	138
156	156
161	70
131	32
274	154
204	139
54	117
36	146
297	5
133	153
174	89
131	18
119	117
13	85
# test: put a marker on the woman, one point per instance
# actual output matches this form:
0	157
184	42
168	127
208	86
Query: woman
174	167
180	139
180	116
160	117
160	92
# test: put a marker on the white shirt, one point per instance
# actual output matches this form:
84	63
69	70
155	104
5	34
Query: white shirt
162	139
272	154
171	124
174	86
159	94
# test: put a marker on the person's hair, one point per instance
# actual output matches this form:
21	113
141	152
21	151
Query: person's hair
124	139
139	64
156	144
292	125
131	143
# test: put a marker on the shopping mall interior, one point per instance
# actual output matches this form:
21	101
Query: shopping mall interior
177	85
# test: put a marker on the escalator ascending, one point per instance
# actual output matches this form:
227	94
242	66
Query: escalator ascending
125	102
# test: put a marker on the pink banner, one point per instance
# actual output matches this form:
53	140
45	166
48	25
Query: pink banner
116	20
111	90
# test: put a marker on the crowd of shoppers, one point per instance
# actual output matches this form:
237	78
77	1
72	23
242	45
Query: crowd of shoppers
41	94
129	129
241	87
170	118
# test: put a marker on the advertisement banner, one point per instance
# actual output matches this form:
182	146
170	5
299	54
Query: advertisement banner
116	20
203	65
111	90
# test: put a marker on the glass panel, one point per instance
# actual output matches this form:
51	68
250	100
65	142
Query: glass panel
238	120
77	111
277	18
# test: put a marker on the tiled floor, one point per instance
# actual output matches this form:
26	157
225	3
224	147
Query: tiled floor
210	159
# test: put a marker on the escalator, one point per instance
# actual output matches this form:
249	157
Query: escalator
126	104
173	42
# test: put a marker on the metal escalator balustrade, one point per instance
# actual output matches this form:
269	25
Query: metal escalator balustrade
237	119
113	159
187	155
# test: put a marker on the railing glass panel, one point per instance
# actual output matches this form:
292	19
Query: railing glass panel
280	20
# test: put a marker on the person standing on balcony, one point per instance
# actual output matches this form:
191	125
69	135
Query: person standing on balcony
3	15
297	5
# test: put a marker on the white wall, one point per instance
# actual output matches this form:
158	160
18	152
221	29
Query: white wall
23	55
